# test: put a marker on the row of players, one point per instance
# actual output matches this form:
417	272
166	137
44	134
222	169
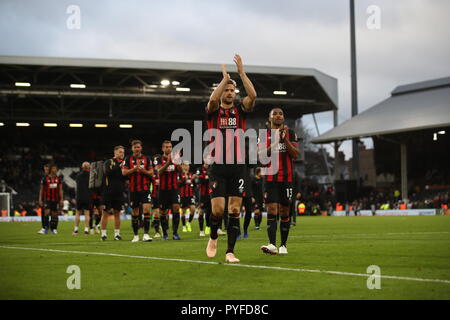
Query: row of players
227	183
152	195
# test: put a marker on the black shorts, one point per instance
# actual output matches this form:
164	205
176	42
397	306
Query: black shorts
154	201
167	198
139	197
227	180
84	205
113	201
52	205
186	202
205	202
96	203
259	205
247	204
279	192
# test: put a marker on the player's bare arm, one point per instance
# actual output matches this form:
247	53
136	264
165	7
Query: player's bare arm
263	150
162	169
249	101
214	99
61	195
41	192
146	172
127	172
290	147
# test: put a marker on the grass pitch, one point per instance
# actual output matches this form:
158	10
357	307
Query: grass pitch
415	249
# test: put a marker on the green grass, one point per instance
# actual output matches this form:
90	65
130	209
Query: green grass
417	247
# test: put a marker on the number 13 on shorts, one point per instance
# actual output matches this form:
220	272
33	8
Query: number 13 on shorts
289	193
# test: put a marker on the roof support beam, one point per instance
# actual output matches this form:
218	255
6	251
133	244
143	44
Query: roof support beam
404	170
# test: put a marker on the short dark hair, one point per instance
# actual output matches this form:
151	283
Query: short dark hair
231	81
53	165
133	142
166	142
274	109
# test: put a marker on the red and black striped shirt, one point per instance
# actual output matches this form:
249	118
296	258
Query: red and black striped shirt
168	180
51	186
138	181
186	185
155	185
285	171
227	121
202	174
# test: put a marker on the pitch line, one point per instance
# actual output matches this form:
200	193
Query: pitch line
230	265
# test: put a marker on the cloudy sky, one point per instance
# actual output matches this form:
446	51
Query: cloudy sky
412	44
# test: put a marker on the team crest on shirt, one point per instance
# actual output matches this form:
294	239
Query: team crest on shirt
281	147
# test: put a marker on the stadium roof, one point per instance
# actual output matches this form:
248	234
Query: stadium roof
411	107
135	88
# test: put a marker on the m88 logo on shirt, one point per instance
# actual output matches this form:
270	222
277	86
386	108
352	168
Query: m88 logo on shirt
228	123
281	147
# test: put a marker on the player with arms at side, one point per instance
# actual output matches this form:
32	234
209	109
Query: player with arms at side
113	189
44	217
187	196
83	199
279	185
258	193
139	170
205	200
155	199
227	180
248	200
169	197
52	193
97	210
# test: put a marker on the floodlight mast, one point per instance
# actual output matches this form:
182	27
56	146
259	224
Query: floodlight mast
355	147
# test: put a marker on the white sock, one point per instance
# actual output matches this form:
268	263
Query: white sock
116	232
75	229
104	233
86	229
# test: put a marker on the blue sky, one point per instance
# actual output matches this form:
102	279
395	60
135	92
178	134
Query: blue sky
412	45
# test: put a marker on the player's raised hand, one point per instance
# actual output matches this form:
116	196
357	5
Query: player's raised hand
238	61
176	158
224	72
283	132
138	165
277	136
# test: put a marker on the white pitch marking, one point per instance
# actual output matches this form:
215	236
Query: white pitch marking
348	234
231	265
